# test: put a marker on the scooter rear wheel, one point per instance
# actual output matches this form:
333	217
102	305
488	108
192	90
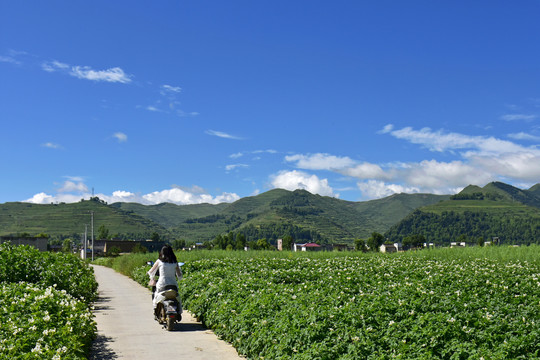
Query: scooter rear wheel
162	315
170	322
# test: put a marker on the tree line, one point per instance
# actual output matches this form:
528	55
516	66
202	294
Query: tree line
468	226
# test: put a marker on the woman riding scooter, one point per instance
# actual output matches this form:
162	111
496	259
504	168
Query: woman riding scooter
169	270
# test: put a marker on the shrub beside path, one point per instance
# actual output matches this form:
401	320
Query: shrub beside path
127	329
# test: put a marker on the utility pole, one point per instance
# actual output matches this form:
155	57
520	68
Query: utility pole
92	217
85	240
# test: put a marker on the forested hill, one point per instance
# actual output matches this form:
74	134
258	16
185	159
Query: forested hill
304	216
270	215
477	214
69	220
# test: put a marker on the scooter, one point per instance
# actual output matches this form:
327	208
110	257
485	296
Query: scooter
168	310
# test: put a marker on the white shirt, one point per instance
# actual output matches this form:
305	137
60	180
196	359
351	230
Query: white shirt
167	274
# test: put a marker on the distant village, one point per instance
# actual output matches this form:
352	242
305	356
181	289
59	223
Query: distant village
99	248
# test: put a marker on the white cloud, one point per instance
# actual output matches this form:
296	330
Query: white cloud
182	113
9	59
373	189
152	108
524	136
236	155
482	159
427	176
442	177
240	154
192	189
293	180
435	141
71	186
235	166
121	137
517	117
440	141
51	145
222	135
165	89
73	191
320	161
75	178
522	166
387	128
41	198
123	194
114	74
52	66
181	197
366	171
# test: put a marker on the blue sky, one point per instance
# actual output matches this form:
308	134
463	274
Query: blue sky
212	101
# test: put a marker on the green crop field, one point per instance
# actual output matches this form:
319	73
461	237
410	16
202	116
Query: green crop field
481	303
45	305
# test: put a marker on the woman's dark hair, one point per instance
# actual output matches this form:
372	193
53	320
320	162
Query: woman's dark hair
167	255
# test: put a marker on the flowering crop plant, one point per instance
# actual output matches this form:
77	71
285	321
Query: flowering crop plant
376	307
40	323
44	305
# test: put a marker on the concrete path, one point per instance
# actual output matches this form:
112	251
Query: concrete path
127	329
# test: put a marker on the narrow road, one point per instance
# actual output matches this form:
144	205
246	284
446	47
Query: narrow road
127	329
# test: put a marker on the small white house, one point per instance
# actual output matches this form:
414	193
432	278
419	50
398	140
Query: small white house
388	248
307	247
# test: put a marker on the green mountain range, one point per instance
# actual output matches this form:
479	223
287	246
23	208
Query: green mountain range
69	220
477	214
496	210
270	215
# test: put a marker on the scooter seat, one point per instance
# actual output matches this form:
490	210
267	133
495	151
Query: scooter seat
169	294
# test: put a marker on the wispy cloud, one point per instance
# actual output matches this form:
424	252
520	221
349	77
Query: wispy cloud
9	59
236	155
52	66
51	145
267	151
168	103
73	186
524	136
222	135
167	89
235	166
13	57
518	117
182	113
440	141
112	75
320	161
255	152
120	137
153	108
